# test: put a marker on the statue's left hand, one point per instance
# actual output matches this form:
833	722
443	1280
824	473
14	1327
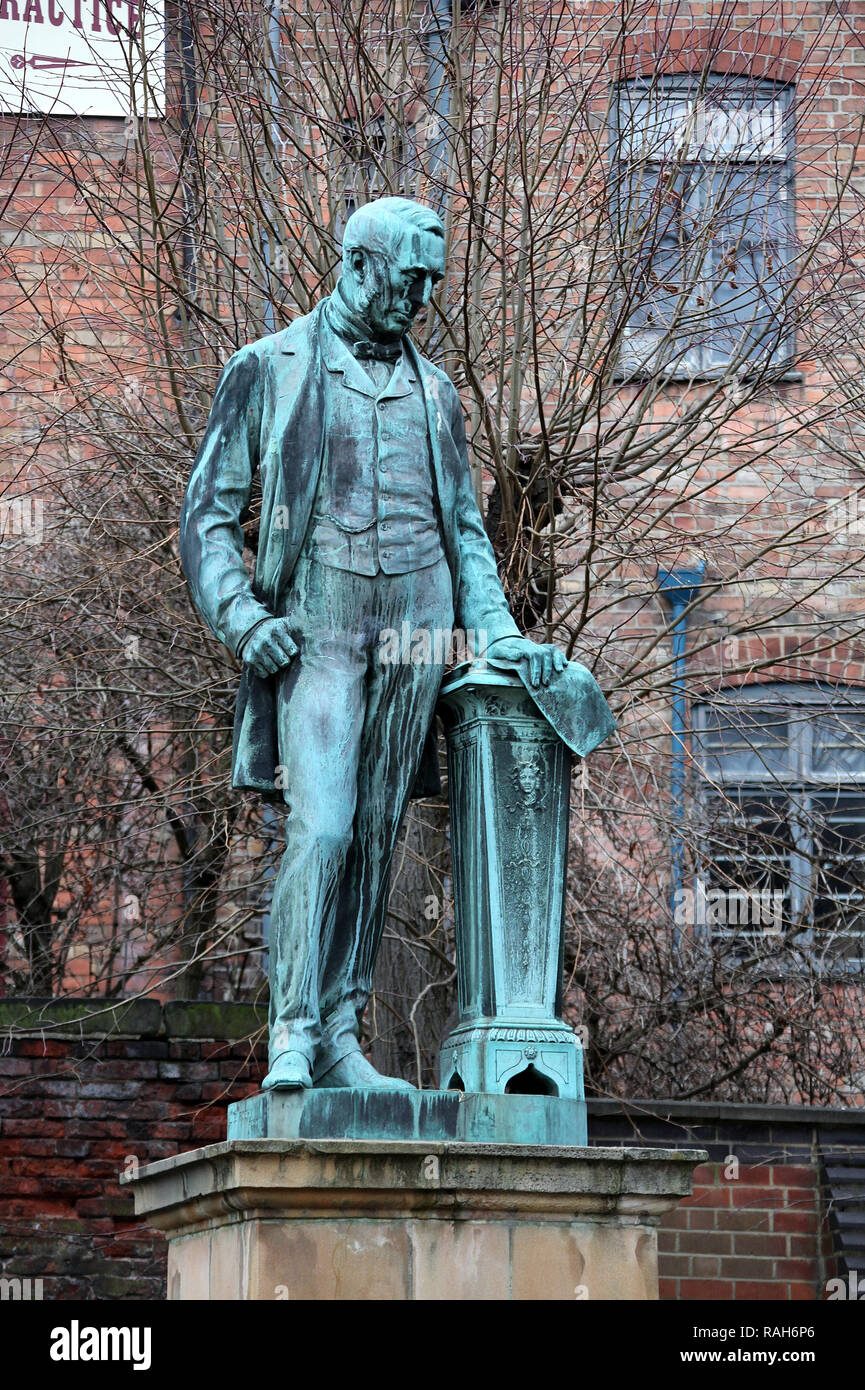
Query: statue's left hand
541	660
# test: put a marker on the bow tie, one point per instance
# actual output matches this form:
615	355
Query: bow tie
377	352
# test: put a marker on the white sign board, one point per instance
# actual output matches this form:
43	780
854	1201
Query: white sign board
82	57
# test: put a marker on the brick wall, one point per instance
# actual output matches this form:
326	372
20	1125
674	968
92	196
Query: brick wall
81	1099
752	1238
757	1225
78	1106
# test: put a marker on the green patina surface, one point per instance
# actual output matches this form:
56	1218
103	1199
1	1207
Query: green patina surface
509	778
436	1116
368	519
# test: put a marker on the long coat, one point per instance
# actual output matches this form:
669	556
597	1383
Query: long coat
268	417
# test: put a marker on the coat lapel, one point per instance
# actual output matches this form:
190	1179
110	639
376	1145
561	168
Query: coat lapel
400	384
338	357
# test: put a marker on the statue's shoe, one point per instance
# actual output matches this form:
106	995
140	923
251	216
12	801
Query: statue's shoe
290	1072
355	1070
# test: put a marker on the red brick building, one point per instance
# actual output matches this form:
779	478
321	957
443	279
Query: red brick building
654	320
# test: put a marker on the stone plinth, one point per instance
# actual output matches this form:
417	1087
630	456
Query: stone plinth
365	1219
437	1116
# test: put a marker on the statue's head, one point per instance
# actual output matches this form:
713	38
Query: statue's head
393	255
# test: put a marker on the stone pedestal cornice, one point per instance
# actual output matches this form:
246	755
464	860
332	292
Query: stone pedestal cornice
258	1177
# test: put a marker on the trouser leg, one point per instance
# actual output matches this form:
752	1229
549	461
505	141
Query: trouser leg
400	704
321	713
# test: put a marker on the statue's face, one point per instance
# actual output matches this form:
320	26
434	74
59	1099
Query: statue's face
391	289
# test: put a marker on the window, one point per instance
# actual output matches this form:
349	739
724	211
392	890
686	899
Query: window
783	816
703	223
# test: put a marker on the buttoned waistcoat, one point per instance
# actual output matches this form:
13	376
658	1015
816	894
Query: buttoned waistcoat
375	504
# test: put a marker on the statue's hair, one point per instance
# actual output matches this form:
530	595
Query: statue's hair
378	225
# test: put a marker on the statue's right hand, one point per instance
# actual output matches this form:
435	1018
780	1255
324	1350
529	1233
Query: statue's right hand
270	647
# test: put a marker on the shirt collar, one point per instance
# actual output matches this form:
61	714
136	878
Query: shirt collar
338	357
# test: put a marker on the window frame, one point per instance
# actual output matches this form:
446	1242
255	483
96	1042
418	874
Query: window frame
779	363
799	784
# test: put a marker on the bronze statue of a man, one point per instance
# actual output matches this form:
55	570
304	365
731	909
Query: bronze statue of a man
368	521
